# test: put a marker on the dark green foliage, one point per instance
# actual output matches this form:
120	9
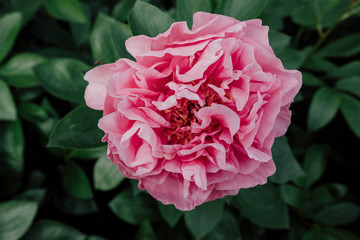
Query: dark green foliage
263	206
204	218
16	218
78	129
57	183
186	8
134	209
323	108
108	39
287	166
148	20
242	10
10	25
170	214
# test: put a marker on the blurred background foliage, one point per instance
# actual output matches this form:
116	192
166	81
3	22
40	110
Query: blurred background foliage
55	180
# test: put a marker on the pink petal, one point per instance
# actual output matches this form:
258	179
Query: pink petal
195	171
227	117
95	95
259	176
101	74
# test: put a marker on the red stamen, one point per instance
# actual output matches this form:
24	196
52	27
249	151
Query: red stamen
182	117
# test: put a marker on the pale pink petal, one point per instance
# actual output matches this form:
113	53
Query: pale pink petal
211	54
282	121
101	74
171	191
259	176
95	95
195	171
168	103
227	117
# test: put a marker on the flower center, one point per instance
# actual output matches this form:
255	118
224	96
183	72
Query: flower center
182	116
180	119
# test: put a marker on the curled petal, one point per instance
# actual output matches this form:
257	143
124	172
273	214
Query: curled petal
227	118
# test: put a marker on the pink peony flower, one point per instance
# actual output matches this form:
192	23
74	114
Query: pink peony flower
194	118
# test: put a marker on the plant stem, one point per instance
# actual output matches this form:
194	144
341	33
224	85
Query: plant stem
321	40
318	19
298	36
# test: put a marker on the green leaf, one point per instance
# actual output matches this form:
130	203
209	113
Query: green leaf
275	11
297	230
341	234
75	206
18	71
68	10
134	210
179	232
241	10
310	80
344	47
35	195
328	193
32	112
51	33
106	174
53	52
16	218
314	165
227	228
26	8
287	167
81	31
75	181
134	187
350	84
107	39
88	154
304	16
148	20
35	179
338	214
145	232
46	105
27	95
317	235
293	196
350	109
323	108
63	78
185	9
170	214
291	58
10	25
7	104
278	41
263	206
122	9
48	229
348	70
94	237
204	218
172	12
318	64
78	129
313	14
46	127
299	97
11	157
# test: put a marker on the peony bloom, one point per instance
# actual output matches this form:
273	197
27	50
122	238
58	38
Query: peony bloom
194	118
